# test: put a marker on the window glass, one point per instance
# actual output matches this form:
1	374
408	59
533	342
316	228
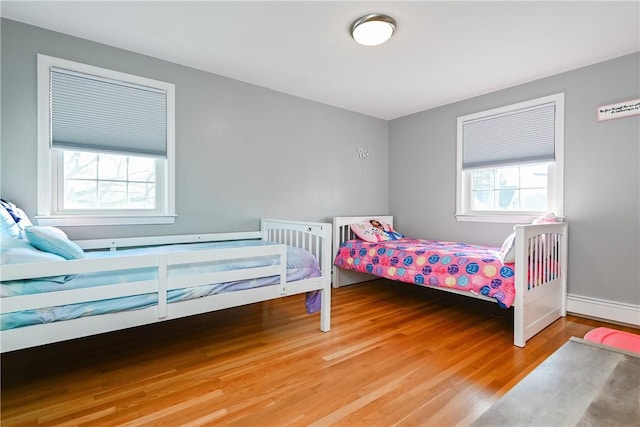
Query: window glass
108	181
522	188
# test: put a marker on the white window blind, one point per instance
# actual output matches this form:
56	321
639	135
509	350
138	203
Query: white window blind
517	137
98	114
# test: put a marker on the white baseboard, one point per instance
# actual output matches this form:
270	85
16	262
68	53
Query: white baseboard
615	312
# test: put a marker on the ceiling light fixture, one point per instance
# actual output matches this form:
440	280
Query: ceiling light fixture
373	29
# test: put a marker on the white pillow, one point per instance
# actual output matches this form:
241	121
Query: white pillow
507	252
375	230
548	218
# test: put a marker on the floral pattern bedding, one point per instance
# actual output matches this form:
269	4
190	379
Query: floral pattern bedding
461	266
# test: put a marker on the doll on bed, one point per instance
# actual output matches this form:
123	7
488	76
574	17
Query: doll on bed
383	233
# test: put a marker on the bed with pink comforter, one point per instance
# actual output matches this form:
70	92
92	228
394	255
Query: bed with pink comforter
460	266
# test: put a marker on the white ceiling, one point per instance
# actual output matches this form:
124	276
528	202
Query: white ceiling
442	52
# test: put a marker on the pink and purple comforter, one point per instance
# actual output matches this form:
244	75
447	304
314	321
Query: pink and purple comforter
461	266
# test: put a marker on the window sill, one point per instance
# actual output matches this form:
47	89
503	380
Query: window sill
505	219
92	220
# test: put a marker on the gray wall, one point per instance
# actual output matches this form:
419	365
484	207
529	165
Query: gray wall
245	152
602	182
242	152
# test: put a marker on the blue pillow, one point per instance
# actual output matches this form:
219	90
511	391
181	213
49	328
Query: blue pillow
53	240
18	251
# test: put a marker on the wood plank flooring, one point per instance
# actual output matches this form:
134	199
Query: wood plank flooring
396	355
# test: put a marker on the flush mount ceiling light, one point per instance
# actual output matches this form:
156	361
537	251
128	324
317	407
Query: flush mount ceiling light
373	29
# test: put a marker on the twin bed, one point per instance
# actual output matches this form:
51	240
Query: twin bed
122	283
534	283
128	282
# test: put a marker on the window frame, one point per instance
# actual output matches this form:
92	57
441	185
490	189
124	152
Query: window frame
50	177
555	180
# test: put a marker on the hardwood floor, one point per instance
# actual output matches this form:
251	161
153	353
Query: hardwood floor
396	355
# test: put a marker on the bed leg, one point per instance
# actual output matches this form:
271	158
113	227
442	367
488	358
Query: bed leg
518	327
325	309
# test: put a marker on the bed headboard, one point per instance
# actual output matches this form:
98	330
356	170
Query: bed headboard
341	233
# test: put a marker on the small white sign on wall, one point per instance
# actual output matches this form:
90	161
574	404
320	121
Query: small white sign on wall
619	109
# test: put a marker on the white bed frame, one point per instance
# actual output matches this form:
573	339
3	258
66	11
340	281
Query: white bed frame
314	237
540	248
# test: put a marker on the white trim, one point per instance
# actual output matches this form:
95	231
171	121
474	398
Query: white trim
51	61
93	220
555	193
603	309
44	175
493	217
512	107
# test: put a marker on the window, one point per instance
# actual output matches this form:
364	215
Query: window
106	146
107	181
510	162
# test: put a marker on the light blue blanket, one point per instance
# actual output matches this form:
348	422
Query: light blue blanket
300	265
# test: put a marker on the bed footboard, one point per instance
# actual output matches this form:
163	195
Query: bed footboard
314	237
541	278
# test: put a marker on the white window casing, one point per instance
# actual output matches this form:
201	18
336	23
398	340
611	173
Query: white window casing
514	135
111	112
